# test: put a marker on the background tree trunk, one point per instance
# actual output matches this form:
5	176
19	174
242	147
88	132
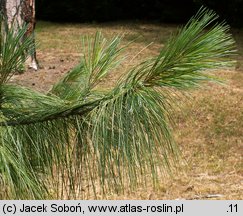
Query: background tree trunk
19	12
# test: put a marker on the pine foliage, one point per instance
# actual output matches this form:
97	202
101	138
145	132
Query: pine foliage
78	138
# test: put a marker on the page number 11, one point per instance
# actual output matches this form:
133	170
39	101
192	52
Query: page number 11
232	208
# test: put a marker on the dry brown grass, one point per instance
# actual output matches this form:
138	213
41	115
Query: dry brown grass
209	128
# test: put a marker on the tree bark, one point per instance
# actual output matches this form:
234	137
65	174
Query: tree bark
19	12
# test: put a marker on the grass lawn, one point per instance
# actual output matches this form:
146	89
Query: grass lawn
209	125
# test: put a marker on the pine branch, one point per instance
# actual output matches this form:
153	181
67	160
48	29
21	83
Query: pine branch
114	137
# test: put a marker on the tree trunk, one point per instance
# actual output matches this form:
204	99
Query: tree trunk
19	12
